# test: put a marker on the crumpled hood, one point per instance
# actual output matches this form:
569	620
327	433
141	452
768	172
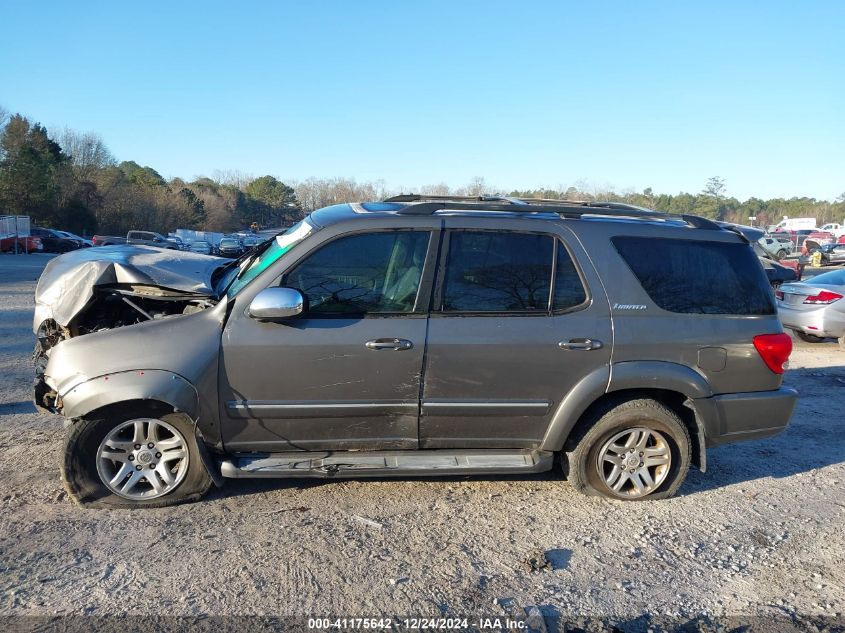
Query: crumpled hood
67	283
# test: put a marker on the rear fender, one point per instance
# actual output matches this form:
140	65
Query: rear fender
656	376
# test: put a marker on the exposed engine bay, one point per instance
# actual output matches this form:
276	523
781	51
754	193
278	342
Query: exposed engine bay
117	306
96	289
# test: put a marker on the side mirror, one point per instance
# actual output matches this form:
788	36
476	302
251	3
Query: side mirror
277	303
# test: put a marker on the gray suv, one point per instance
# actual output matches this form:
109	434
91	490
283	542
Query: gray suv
416	336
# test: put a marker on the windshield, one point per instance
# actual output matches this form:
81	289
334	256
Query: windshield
252	265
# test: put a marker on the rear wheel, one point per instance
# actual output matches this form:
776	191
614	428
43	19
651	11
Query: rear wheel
782	253
808	338
637	449
133	462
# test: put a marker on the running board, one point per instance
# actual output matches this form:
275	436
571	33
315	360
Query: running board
386	463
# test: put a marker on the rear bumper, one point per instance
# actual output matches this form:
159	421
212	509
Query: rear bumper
824	321
734	417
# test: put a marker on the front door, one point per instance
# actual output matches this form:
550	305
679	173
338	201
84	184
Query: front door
515	324
344	375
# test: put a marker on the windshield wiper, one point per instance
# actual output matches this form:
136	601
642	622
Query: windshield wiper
244	262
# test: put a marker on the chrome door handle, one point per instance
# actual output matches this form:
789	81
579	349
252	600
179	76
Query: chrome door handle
584	344
397	344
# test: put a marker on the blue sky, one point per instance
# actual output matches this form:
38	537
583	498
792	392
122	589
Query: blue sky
525	94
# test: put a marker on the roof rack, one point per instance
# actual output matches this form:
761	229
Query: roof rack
416	197
429	205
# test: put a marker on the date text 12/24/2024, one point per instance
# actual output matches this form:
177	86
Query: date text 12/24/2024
419	624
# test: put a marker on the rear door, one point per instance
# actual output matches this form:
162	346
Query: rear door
516	322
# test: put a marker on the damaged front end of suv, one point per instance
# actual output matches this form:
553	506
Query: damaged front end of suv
98	289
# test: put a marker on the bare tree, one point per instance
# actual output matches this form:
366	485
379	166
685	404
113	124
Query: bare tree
315	193
440	189
88	153
232	177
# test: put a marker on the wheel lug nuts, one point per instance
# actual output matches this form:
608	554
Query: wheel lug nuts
138	467
158	455
152	466
137	446
131	458
150	445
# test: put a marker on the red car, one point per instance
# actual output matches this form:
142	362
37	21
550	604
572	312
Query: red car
26	244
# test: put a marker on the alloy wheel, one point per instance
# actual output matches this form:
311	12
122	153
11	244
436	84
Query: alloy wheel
143	458
635	462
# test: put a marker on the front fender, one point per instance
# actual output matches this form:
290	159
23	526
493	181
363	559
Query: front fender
141	384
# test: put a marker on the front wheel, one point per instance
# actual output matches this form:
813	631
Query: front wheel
632	450
133	462
782	253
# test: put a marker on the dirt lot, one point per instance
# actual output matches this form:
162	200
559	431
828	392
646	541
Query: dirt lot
760	534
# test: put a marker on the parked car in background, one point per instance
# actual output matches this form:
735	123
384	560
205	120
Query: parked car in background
251	241
797	237
53	241
82	241
795	224
177	242
201	247
108	240
778	274
778	245
814	309
25	244
823	237
837	229
832	254
149	238
230	247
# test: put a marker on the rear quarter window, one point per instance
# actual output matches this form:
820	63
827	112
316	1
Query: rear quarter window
698	277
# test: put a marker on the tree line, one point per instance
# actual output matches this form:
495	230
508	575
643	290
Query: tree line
72	181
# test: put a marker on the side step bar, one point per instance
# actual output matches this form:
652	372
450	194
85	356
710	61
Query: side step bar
386	463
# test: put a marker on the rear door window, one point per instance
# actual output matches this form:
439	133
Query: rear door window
489	271
698	277
510	272
569	287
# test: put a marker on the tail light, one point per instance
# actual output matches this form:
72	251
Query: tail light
823	298
774	349
779	294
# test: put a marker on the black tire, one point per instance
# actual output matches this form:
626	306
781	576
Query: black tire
83	483
782	253
808	338
581	460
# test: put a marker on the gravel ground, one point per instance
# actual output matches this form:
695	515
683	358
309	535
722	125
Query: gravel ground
760	535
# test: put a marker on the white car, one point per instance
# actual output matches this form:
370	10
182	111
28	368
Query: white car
777	245
814	309
200	247
837	229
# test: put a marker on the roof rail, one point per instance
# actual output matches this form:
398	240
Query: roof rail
429	205
416	197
